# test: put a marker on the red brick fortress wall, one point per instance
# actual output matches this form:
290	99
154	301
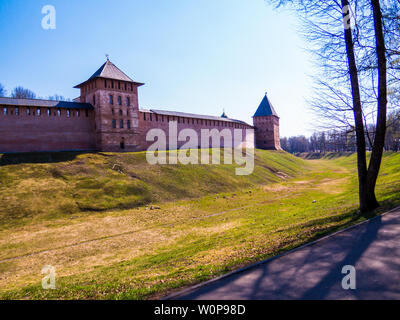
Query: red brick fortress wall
149	120
23	132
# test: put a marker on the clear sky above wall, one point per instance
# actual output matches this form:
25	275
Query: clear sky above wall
196	56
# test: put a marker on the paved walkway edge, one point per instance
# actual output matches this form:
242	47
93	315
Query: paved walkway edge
234	272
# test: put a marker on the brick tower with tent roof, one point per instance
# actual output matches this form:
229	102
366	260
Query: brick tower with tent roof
266	126
114	97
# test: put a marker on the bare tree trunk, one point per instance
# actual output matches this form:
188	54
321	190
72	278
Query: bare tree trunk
379	23
379	141
358	115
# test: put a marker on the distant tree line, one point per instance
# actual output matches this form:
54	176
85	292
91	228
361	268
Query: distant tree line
23	93
345	140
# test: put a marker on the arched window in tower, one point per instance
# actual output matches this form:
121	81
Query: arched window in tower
111	99
38	112
128	101
105	83
68	113
48	112
121	124
28	111
5	111
119	100
114	123
120	112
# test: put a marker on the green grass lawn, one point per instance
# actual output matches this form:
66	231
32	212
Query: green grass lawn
93	221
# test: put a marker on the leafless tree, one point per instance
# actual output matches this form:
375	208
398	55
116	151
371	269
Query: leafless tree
356	45
57	97
22	93
3	91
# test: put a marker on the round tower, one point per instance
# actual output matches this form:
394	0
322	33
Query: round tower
266	126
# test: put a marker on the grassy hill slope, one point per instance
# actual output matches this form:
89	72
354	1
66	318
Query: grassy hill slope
140	253
50	185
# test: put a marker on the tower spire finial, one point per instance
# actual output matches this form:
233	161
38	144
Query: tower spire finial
224	114
108	57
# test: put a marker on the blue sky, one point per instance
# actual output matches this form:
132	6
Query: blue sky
197	56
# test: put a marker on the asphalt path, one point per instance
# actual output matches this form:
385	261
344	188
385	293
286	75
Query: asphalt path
315	271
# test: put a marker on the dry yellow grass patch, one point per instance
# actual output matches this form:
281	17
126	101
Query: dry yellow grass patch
84	257
78	247
302	182
333	186
216	229
276	187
